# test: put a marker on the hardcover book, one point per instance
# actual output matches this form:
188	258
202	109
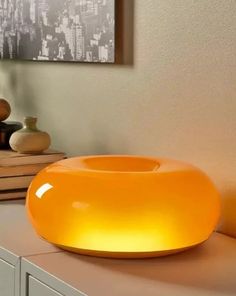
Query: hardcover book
13	194
15	182
21	170
11	158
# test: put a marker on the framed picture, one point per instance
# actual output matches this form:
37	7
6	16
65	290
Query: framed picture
58	30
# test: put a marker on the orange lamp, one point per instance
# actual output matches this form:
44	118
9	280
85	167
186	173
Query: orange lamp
123	206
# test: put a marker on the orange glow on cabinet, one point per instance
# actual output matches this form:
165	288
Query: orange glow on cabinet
123	206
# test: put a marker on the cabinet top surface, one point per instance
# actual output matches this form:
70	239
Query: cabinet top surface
17	236
209	269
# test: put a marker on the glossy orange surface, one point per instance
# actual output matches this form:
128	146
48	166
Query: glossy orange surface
123	206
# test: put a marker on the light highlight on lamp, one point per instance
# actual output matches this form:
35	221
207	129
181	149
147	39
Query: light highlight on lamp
43	189
123	206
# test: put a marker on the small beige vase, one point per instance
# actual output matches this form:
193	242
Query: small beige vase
29	139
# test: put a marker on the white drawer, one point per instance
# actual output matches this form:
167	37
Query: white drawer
37	288
7	278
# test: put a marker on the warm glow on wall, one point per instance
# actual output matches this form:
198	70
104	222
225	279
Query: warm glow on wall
123	206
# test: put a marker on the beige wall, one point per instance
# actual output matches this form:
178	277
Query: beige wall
177	98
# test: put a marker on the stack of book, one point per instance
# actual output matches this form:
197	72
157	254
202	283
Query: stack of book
18	170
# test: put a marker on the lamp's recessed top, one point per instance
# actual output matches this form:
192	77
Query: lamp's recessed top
114	163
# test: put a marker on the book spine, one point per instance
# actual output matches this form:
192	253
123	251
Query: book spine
22	170
15	182
13	194
36	159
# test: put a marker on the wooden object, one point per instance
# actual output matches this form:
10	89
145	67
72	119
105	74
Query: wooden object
5	109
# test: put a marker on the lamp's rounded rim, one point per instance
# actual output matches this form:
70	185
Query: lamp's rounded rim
121	164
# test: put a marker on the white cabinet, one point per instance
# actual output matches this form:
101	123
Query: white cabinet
17	239
207	270
30	266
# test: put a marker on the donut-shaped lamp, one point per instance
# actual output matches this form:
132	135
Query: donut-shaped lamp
123	206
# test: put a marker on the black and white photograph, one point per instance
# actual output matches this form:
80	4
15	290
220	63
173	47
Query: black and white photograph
58	30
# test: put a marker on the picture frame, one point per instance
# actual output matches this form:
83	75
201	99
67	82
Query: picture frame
58	30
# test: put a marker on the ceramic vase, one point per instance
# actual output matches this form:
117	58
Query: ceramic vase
30	139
